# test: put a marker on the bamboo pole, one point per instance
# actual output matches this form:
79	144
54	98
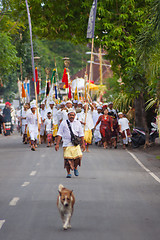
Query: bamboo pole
90	72
100	68
33	66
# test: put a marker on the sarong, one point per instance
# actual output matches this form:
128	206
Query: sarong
8	128
55	130
88	136
126	133
49	137
72	156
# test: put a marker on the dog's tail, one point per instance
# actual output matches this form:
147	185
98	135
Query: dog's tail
60	187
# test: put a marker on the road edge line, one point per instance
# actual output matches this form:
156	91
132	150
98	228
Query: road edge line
146	169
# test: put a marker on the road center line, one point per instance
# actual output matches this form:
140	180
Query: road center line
25	184
33	173
14	201
1	223
146	169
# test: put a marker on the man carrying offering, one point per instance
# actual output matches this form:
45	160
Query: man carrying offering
72	152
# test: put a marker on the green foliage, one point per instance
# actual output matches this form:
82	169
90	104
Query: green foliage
8	59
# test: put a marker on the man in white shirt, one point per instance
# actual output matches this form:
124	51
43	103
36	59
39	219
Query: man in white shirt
72	154
33	126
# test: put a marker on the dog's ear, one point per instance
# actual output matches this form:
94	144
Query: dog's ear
59	192
71	192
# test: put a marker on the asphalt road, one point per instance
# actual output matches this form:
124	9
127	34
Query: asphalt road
116	198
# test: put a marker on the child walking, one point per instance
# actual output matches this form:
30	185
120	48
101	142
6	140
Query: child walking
49	125
124	129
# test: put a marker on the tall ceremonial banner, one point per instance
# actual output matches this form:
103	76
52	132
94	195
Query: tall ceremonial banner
76	94
27	89
30	30
65	78
70	93
91	21
47	88
33	66
53	76
37	80
23	91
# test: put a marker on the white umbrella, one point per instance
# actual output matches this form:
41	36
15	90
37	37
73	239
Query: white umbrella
79	83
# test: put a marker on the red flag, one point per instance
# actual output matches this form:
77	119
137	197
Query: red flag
37	81
65	78
70	93
38	87
36	74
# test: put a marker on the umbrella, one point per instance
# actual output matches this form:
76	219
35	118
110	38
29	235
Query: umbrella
93	86
79	83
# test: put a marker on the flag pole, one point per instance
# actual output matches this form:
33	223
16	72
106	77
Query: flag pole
33	66
90	74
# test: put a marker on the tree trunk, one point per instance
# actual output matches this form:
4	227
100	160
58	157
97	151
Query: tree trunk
140	117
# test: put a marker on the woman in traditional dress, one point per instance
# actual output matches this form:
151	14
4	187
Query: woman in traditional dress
7	118
115	133
106	128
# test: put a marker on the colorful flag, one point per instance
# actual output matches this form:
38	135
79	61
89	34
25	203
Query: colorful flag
91	21
37	80
55	88
23	91
27	89
69	93
76	94
65	78
48	88
53	76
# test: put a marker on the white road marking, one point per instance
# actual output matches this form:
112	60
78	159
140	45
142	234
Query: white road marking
146	169
38	164
33	173
1	223
25	184
43	155
14	201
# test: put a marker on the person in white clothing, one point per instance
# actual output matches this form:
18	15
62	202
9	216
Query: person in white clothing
49	126
43	113
97	134
72	153
34	128
124	129
23	122
86	120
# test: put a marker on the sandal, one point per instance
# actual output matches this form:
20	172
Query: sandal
69	175
76	173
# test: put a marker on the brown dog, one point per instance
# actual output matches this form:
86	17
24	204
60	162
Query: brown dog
65	204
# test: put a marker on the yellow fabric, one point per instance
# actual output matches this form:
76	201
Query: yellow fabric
55	130
72	152
76	94
88	136
28	135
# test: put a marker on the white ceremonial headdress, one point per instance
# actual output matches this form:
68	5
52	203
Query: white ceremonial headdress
51	102
68	101
33	105
71	110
